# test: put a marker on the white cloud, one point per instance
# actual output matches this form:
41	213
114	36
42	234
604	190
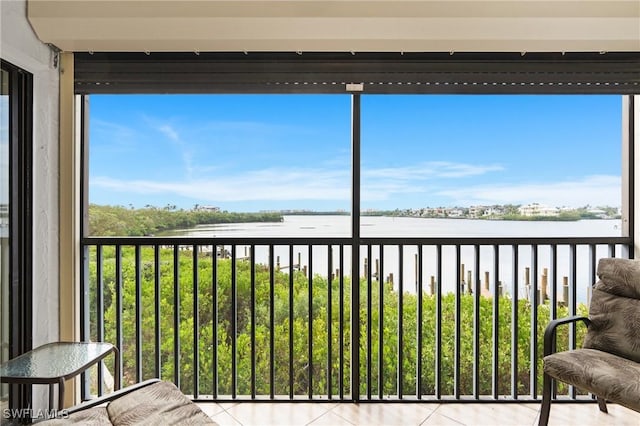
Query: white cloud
593	190
111	137
430	170
185	151
415	184
267	184
169	132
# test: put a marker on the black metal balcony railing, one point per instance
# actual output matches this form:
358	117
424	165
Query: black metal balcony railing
248	318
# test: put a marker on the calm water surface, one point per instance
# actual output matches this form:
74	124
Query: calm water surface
389	268
374	226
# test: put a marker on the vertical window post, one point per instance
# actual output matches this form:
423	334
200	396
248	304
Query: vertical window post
355	248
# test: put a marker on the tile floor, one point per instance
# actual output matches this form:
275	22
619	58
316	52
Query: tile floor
408	414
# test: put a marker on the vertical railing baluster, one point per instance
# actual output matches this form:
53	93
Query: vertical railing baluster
553	299
341	323
592	277
176	315
310	310
593	261
495	371
118	285
400	318
553	279
196	324
157	299
457	325
291	272
438	345
138	312
100	311
419	326
272	323
514	322
381	325
572	302
329	321
476	320
533	359
214	319
234	323
252	309
369	273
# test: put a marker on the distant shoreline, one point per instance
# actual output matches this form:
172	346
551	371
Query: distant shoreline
148	221
559	218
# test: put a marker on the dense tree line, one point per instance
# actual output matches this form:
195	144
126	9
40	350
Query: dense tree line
257	332
121	221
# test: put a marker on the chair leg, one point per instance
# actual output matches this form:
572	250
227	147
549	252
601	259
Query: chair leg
602	404
546	400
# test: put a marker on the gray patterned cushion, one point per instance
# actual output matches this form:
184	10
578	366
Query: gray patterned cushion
620	277
615	309
96	416
159	404
609	376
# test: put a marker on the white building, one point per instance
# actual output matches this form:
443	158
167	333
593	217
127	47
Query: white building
535	209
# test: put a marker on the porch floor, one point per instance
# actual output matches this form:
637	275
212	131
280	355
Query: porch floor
408	414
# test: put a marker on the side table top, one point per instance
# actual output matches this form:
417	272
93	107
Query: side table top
52	361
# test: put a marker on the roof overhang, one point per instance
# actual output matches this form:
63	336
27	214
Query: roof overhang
338	25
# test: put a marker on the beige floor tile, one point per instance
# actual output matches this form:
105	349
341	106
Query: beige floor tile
278	414
490	414
409	414
210	408
227	405
225	419
385	414
589	415
330	419
437	419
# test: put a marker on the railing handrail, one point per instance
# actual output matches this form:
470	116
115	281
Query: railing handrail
172	240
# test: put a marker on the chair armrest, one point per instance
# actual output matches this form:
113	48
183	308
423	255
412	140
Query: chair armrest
550	331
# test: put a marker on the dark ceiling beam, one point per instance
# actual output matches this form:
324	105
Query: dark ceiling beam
616	73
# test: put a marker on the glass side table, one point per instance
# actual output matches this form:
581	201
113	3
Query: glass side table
56	362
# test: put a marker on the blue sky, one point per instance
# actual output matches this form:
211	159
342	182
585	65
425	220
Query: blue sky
264	152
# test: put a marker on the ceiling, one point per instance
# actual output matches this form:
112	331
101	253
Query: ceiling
338	25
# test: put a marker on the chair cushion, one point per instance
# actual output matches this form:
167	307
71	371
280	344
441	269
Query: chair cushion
609	376
620	277
161	403
96	416
614	310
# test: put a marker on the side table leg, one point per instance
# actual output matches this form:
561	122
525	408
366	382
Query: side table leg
51	396
61	394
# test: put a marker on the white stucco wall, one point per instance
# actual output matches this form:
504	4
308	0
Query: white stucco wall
20	46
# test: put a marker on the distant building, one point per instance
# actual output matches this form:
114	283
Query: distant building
493	211
455	212
536	209
599	213
476	211
207	209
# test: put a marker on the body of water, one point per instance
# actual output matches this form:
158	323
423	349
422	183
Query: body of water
383	226
389	268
